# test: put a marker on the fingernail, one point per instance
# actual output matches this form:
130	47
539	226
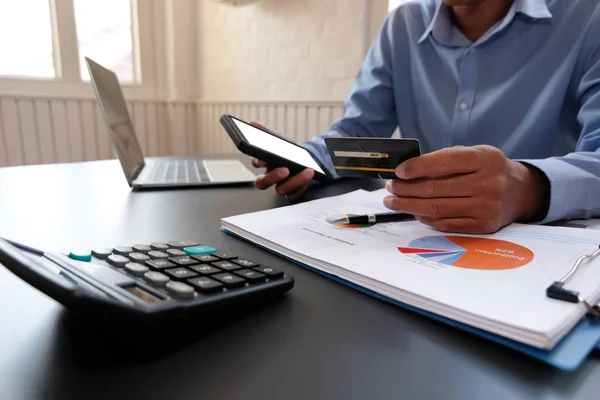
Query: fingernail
282	173
387	201
388	186
400	171
258	181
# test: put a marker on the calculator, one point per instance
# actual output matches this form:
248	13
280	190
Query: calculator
158	284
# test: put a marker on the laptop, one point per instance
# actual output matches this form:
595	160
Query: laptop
156	172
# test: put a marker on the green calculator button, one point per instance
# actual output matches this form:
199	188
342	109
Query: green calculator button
81	255
193	250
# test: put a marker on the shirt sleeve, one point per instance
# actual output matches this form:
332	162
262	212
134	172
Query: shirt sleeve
575	178
369	110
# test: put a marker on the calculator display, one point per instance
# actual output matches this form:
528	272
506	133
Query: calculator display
142	294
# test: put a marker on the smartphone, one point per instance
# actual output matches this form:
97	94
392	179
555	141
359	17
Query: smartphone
273	149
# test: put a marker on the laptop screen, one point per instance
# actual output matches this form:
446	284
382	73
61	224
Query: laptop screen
119	124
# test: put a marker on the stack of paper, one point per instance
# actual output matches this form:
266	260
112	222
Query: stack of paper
493	282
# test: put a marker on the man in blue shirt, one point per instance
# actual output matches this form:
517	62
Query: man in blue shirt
504	96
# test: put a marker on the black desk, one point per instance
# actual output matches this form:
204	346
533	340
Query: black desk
323	341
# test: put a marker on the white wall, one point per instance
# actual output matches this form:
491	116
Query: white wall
278	50
395	3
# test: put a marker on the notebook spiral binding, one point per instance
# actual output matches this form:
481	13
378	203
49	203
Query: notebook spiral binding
557	289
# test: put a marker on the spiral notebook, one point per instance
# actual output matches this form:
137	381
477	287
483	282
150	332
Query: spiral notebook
491	285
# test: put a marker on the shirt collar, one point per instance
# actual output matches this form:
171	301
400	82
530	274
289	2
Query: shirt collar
533	8
441	22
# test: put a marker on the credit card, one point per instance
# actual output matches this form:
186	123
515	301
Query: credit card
370	157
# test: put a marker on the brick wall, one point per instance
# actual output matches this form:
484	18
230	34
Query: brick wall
280	50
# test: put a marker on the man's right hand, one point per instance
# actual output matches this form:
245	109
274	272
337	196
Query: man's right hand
291	187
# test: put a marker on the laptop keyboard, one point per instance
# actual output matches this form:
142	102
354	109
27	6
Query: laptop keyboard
179	171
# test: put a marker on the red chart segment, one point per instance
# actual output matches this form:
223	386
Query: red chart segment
470	252
410	250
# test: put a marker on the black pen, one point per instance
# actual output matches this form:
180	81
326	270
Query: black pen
374	218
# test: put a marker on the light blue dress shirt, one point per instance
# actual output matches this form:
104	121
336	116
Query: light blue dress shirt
530	86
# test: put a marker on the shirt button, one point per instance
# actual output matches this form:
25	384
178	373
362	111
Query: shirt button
464	106
472	50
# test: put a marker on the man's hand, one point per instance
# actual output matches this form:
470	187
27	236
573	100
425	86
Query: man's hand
468	189
291	187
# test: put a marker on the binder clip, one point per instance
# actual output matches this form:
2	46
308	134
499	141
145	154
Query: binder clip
557	289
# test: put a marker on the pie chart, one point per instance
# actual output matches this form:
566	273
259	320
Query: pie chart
470	252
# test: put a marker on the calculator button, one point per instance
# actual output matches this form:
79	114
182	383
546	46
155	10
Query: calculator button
136	269
80	255
270	272
156	278
205	258
176	253
141	248
181	290
122	250
138	257
183	260
159	264
204	269
191	250
117	260
180	244
229	280
180	273
158	254
102	254
224	255
159	246
250	275
226	265
205	284
245	263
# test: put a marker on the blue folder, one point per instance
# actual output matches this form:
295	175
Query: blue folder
567	355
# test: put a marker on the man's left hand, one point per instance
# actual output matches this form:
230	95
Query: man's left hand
468	189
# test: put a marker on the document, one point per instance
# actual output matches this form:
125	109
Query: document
494	282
